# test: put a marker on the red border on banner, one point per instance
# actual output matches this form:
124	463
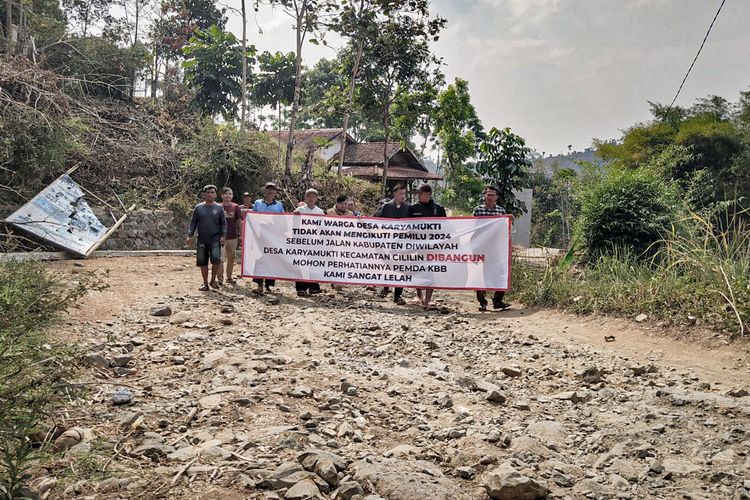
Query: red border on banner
510	250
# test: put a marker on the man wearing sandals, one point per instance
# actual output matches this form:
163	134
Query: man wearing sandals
490	209
210	222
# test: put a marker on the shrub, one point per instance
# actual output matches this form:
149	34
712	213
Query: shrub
225	156
30	300
629	209
698	272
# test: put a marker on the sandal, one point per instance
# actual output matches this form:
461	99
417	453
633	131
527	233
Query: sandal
215	285
204	288
257	291
399	301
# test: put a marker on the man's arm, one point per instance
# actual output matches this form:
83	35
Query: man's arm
193	225
223	226
379	211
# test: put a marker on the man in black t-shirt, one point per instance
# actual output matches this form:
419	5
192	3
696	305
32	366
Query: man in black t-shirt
211	224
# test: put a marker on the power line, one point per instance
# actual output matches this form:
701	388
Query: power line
697	54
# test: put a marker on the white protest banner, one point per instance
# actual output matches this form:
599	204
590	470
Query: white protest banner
449	252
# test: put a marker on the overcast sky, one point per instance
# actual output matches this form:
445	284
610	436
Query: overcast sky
562	72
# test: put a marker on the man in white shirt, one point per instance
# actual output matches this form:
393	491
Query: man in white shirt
310	207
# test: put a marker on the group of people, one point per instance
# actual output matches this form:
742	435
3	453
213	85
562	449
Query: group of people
219	229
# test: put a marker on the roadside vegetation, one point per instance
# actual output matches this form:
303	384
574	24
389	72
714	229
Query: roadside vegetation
33	364
662	230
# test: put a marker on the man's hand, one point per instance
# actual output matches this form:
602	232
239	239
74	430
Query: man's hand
222	240
188	240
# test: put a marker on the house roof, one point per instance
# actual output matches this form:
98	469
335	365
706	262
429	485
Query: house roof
371	154
394	173
305	138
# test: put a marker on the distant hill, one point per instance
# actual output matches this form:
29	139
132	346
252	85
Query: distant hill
550	163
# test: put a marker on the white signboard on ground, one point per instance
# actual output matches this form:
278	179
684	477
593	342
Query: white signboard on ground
60	214
448	252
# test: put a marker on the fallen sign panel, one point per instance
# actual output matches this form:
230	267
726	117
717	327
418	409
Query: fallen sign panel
60	215
471	253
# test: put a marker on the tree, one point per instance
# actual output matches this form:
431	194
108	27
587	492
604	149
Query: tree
176	25
504	163
306	15
214	68
397	62
275	83
86	13
456	123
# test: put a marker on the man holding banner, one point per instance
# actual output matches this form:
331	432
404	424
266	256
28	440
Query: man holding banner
426	207
310	206
267	204
426	251
397	208
490	209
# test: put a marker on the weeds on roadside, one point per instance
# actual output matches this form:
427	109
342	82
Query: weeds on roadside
696	273
30	365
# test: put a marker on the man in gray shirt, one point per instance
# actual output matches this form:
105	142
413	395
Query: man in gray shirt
211	224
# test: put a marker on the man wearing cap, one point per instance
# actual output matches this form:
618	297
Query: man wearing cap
309	207
267	204
426	207
211	224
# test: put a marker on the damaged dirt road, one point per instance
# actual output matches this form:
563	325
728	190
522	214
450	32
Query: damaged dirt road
226	395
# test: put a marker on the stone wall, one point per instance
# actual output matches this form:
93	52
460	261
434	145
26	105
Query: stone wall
142	230
147	230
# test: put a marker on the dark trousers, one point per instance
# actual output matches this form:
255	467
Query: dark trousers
260	281
304	286
396	292
496	299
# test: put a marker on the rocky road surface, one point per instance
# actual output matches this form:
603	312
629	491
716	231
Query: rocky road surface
347	396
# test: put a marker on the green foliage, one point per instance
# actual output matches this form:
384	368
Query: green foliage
274	84
708	141
30	300
87	13
463	189
179	21
457	126
630	209
213	68
700	273
97	67
556	206
504	162
225	156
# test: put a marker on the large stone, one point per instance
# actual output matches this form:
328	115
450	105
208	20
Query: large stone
161	311
304	490
180	318
679	466
506	483
348	489
96	359
122	396
547	431
406	479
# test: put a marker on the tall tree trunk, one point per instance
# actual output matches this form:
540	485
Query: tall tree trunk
244	67
297	89
134	78
349	100
386	130
9	25
278	105
155	79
